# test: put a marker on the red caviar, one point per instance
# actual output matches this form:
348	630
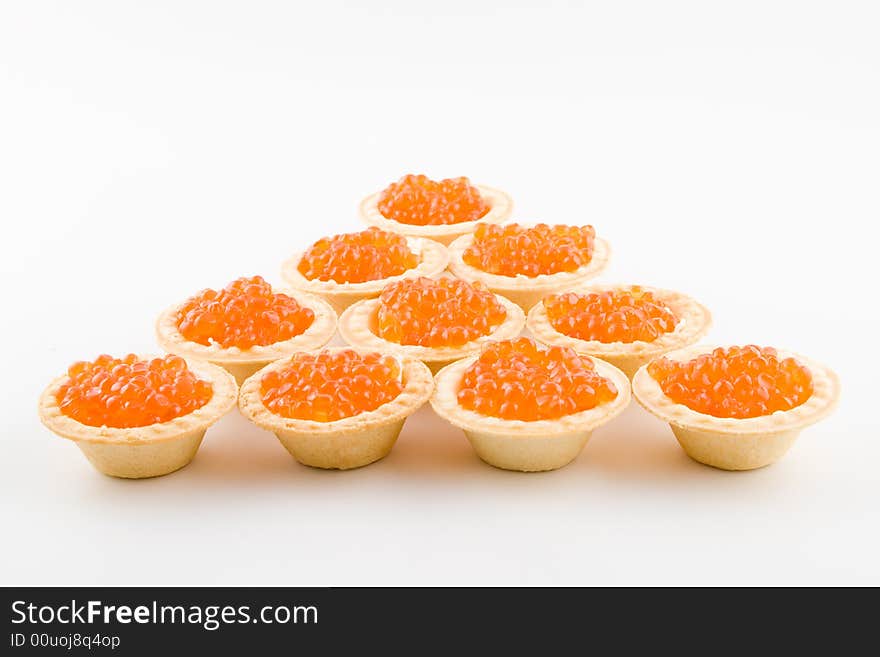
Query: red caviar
369	255
522	380
625	315
738	382
243	314
329	386
541	249
420	201
129	392
437	313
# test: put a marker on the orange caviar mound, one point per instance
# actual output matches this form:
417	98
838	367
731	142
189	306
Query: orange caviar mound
530	251
437	313
737	382
369	255
330	386
243	314
625	315
420	201
129	392
521	380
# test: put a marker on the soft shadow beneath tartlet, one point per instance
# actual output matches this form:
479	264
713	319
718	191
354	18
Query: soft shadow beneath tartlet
638	447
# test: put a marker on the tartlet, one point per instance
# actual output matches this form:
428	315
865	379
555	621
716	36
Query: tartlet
242	361
151	450
431	258
526	290
349	442
359	325
691	320
736	443
499	204
527	445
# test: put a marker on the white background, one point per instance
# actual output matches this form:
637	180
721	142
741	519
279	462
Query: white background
729	150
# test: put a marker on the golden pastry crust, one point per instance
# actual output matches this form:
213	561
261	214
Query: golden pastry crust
526	291
357	326
241	363
149	451
499	212
225	392
527	446
433	259
694	321
737	443
351	442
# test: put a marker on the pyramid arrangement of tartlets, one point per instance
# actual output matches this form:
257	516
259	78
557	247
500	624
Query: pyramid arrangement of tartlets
432	299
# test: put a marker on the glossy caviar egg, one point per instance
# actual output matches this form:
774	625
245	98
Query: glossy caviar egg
243	314
329	386
368	255
513	249
626	315
129	392
437	313
522	380
418	200
738	382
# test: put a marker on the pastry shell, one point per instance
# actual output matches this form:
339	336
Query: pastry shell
357	327
694	322
343	444
499	212
526	291
526	446
149	451
737	443
241	363
433	259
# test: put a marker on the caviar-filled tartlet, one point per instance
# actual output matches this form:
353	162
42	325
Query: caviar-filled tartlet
338	408
436	321
527	407
626	325
527	263
349	267
137	417
442	210
736	408
246	325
